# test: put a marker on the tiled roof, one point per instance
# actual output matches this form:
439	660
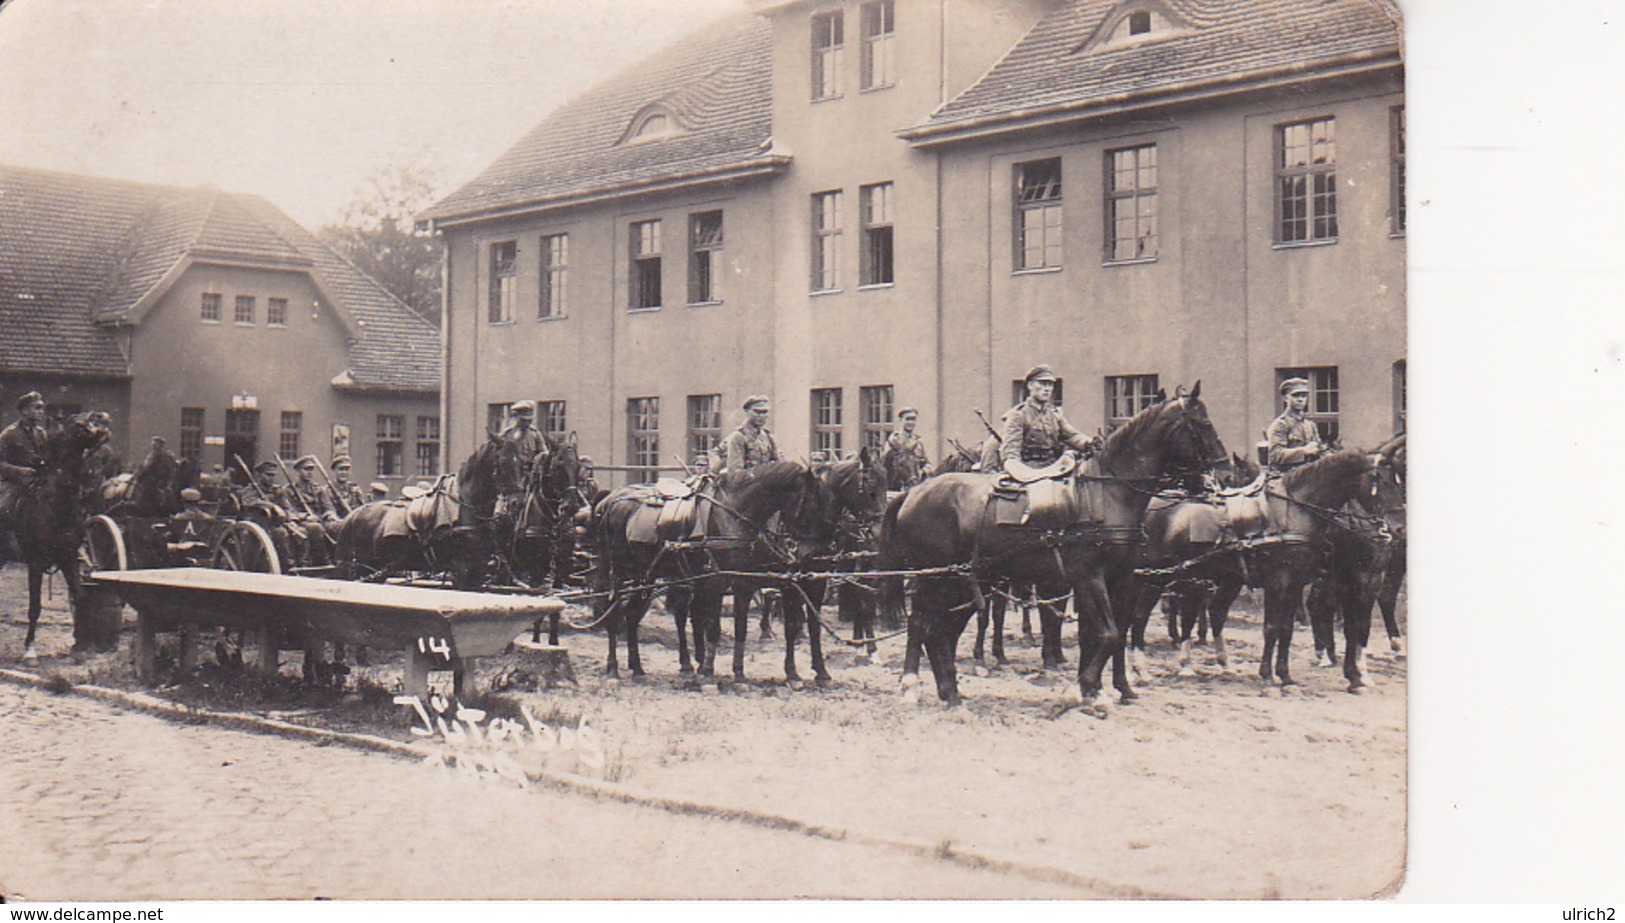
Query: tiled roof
1061	66
76	250
716	86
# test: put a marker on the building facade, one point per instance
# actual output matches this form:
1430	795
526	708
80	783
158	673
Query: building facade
212	320
856	206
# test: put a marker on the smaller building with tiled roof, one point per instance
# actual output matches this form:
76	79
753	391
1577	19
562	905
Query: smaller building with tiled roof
209	318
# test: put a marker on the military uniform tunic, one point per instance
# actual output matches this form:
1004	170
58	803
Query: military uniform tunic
529	442
1037	434
746	448
20	447
1289	437
904	459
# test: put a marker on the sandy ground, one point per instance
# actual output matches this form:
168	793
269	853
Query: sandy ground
1209	786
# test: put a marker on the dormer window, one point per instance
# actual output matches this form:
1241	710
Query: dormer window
1131	23
651	126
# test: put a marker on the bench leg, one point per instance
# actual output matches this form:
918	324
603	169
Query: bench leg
189	648
419	666
267	651
146	646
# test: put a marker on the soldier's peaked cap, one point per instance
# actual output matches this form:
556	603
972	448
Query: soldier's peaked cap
32	397
753	400
1040	372
266	465
307	461
525	407
1294	386
908	410
341	461
191	495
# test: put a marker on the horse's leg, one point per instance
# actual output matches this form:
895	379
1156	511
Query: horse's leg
794	611
1218	610
1143	602
917	617
1097	638
36	581
741	626
678	602
765	625
634	660
1388	598
1190	607
1357	593
816	592
1322	605
955	602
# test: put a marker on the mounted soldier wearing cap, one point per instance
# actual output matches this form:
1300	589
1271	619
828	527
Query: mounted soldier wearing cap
527	440
904	459
752	443
1035	432
1293	439
21	445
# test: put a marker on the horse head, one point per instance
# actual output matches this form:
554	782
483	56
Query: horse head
563	478
856	488
493	470
1170	436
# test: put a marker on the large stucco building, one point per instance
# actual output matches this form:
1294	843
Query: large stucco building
211	319
855	206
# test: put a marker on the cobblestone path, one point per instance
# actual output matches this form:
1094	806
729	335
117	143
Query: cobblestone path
99	803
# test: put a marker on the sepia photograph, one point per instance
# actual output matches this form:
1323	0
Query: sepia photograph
602	450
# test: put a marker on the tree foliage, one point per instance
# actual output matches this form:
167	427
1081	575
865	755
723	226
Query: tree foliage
377	235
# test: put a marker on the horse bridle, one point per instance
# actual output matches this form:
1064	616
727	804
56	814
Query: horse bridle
1170	477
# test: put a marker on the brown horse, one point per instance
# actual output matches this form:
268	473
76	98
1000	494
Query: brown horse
376	541
948	525
733	535
48	520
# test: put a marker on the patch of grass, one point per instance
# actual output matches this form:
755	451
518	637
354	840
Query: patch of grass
58	684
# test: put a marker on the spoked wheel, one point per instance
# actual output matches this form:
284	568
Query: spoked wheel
103	547
246	546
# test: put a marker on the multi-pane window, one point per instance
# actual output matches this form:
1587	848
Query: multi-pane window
645	281
555	275
704	257
826	255
826	422
428	446
875	409
1127	395
1396	211
1323	401
704	424
211	307
276	312
391	431
504	281
191	432
1038	214
1306	180
828	35
551	416
875	203
1131	203
643	437
879	36
496	416
1018	391
247	307
287	444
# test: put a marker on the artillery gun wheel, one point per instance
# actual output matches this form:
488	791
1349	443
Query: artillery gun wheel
103	547
246	546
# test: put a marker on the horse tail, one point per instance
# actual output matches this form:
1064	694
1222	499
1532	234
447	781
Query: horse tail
891	587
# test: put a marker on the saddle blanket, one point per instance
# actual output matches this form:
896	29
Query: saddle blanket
1048	504
658	519
422	516
1206	522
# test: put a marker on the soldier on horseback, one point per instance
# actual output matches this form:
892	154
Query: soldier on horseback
752	443
21	445
904	459
1035	432
526	438
1293	438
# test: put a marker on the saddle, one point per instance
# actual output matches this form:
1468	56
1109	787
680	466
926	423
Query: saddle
1047	502
423	514
668	510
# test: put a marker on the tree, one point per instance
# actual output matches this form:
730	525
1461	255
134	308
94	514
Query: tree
377	235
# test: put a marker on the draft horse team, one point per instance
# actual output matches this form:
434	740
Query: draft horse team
1108	524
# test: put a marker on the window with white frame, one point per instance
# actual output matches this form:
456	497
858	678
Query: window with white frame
826	422
704	257
828	37
496	417
875	410
391	433
1038	214
504	281
552	418
704	424
191	432
875	203
210	307
1127	395
276	312
1306	181
1131	203
826	255
288	442
428	446
247	307
645	282
555	276
643	438
879	37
